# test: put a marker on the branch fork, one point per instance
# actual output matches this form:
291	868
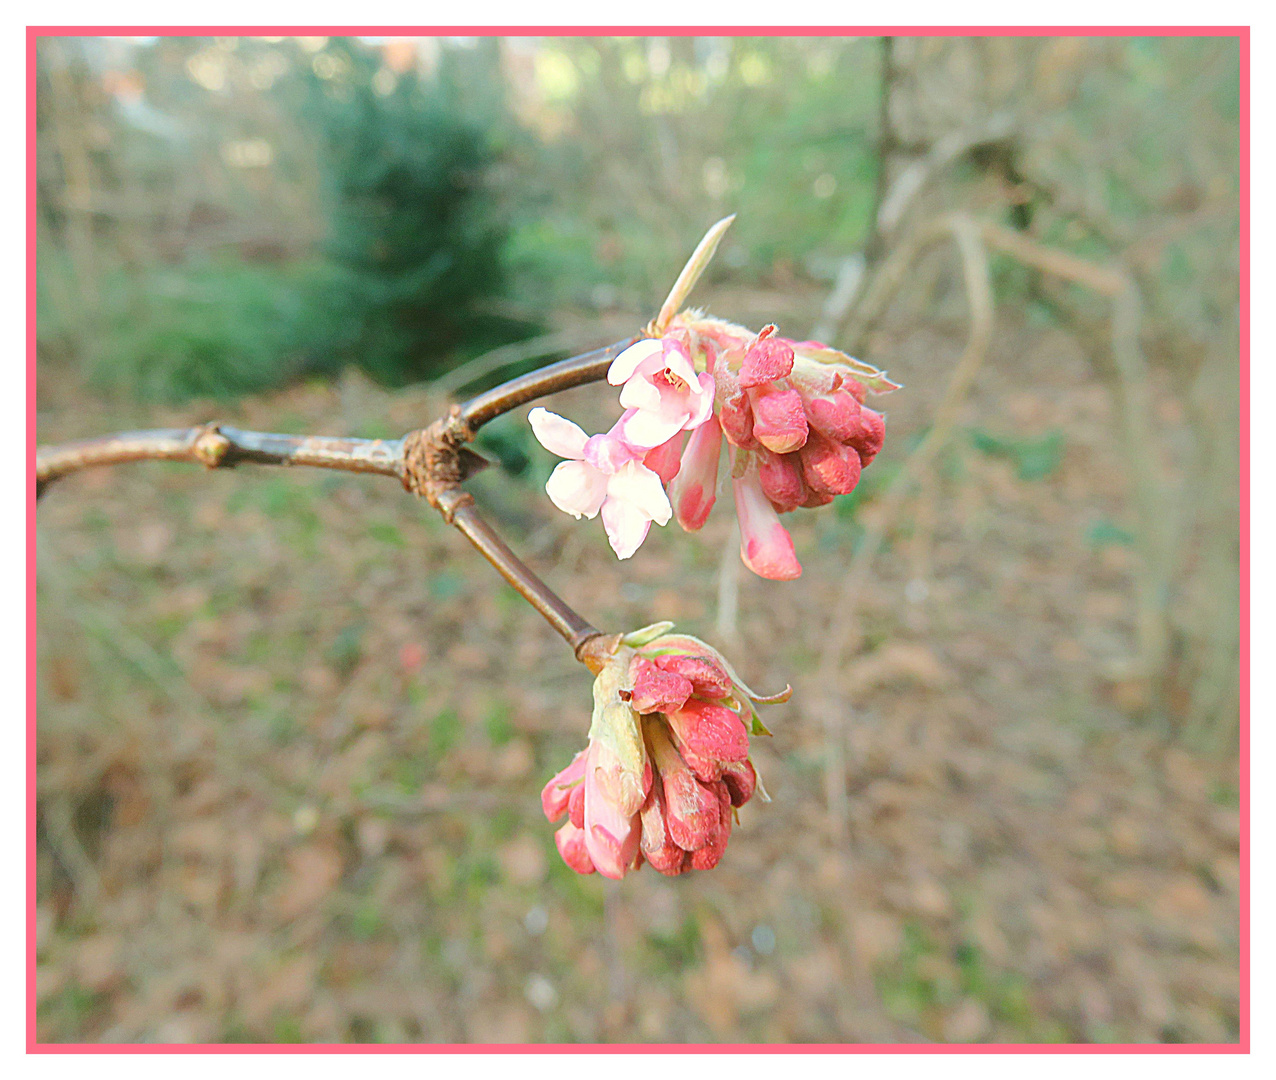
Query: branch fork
432	462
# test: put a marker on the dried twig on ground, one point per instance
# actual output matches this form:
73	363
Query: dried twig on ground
974	258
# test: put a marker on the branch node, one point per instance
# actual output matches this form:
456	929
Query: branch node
593	648
436	461
211	446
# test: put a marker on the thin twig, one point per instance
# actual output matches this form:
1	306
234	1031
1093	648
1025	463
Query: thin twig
458	508
432	462
220	447
727	623
1155	536
518	352
574	371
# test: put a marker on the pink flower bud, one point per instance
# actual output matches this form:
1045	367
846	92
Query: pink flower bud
611	814
693	489
555	796
576	807
708	856
828	467
570	841
781	478
768	360
691	808
779	422
657	845
656	689
735	414
871	435
765	545
816	499
708	678
665	458
741	779
836	415
708	736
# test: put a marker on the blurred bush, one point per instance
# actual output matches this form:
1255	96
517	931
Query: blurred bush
417	228
213	329
218	217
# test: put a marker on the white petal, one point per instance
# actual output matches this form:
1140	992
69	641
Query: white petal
649	429
640	393
701	401
677	362
626	527
640	486
627	362
609	452
557	434
577	488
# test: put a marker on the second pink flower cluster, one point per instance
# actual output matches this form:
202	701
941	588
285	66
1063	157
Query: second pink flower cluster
798	434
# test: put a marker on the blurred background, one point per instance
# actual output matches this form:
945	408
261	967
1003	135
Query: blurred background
292	730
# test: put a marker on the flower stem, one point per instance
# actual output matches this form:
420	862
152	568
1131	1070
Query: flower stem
565	374
458	507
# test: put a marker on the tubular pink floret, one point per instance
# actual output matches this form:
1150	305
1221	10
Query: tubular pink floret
666	458
735	414
768	360
691	809
765	545
741	779
576	806
708	678
707	857
871	435
570	841
612	803
708	736
657	845
662	390
693	489
556	794
836	415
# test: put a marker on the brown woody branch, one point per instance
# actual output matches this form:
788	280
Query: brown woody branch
218	447
432	462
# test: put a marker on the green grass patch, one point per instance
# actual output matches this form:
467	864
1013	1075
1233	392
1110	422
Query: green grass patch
1033	459
1104	532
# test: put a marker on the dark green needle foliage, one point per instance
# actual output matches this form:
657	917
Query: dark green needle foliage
416	229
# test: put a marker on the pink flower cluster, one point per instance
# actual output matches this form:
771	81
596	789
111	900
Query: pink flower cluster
671	803
798	434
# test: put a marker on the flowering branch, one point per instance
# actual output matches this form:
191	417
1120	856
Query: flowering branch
668	757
